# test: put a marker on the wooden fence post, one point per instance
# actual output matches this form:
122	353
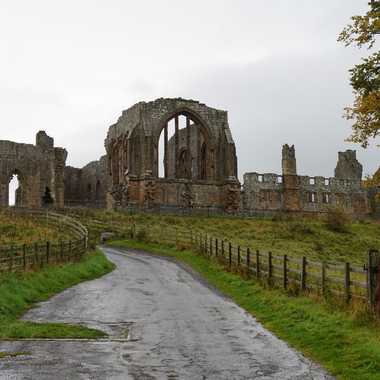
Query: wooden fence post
210	246
223	249
216	248
11	259
285	274
248	261
47	252
347	282
257	264
229	255
24	257
373	279
270	268
62	248
70	249
323	279
238	257
303	273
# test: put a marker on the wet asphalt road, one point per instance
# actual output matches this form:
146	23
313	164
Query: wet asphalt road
179	328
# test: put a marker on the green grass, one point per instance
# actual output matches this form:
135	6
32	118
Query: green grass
17	229
19	292
291	236
346	345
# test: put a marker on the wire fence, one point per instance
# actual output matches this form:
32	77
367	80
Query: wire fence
297	274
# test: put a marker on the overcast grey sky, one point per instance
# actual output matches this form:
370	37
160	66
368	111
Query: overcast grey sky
70	68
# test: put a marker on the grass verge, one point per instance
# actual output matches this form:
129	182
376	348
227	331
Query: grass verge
348	347
19	292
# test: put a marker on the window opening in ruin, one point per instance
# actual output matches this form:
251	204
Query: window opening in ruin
312	197
184	155
47	198
161	146
327	181
326	198
312	181
14	190
203	172
260	178
279	179
182	164
97	190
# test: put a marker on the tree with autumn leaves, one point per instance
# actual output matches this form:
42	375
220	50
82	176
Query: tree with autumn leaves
365	77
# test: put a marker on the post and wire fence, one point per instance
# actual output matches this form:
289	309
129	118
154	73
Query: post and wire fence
23	257
344	281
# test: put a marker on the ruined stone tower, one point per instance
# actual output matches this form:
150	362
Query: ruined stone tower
348	167
289	163
291	182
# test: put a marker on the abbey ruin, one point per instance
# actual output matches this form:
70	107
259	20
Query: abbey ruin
172	154
40	171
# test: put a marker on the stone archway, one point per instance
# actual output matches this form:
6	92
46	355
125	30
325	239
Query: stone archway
182	150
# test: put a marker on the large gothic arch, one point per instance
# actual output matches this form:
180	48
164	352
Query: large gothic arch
204	148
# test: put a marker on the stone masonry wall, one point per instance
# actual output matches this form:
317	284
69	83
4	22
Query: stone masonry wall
39	169
293	193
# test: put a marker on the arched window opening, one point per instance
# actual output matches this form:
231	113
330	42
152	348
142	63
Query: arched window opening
168	134
47	199
14	191
203	163
183	164
179	148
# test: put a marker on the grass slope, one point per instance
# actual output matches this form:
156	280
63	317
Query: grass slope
294	237
349	348
25	229
19	292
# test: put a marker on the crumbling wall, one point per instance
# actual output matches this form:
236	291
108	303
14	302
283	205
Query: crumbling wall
293	193
348	167
40	171
87	186
201	154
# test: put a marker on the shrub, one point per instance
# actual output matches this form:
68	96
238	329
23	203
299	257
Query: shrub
337	220
142	235
301	227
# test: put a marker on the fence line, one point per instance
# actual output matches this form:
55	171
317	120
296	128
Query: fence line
343	280
16	258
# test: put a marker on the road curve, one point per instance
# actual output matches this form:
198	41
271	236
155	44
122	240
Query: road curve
179	328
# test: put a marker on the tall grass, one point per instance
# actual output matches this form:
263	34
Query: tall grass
292	236
26	229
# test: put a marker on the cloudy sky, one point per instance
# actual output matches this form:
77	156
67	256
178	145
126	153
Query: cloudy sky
70	67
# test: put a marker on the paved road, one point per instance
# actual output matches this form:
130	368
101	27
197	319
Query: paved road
179	328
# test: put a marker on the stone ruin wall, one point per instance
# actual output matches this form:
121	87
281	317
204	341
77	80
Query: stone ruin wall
86	186
40	171
204	177
132	146
290	192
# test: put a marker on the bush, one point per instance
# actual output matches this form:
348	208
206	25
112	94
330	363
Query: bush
337	220
142	235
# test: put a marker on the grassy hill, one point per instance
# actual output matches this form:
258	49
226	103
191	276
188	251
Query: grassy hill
292	236
24	229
